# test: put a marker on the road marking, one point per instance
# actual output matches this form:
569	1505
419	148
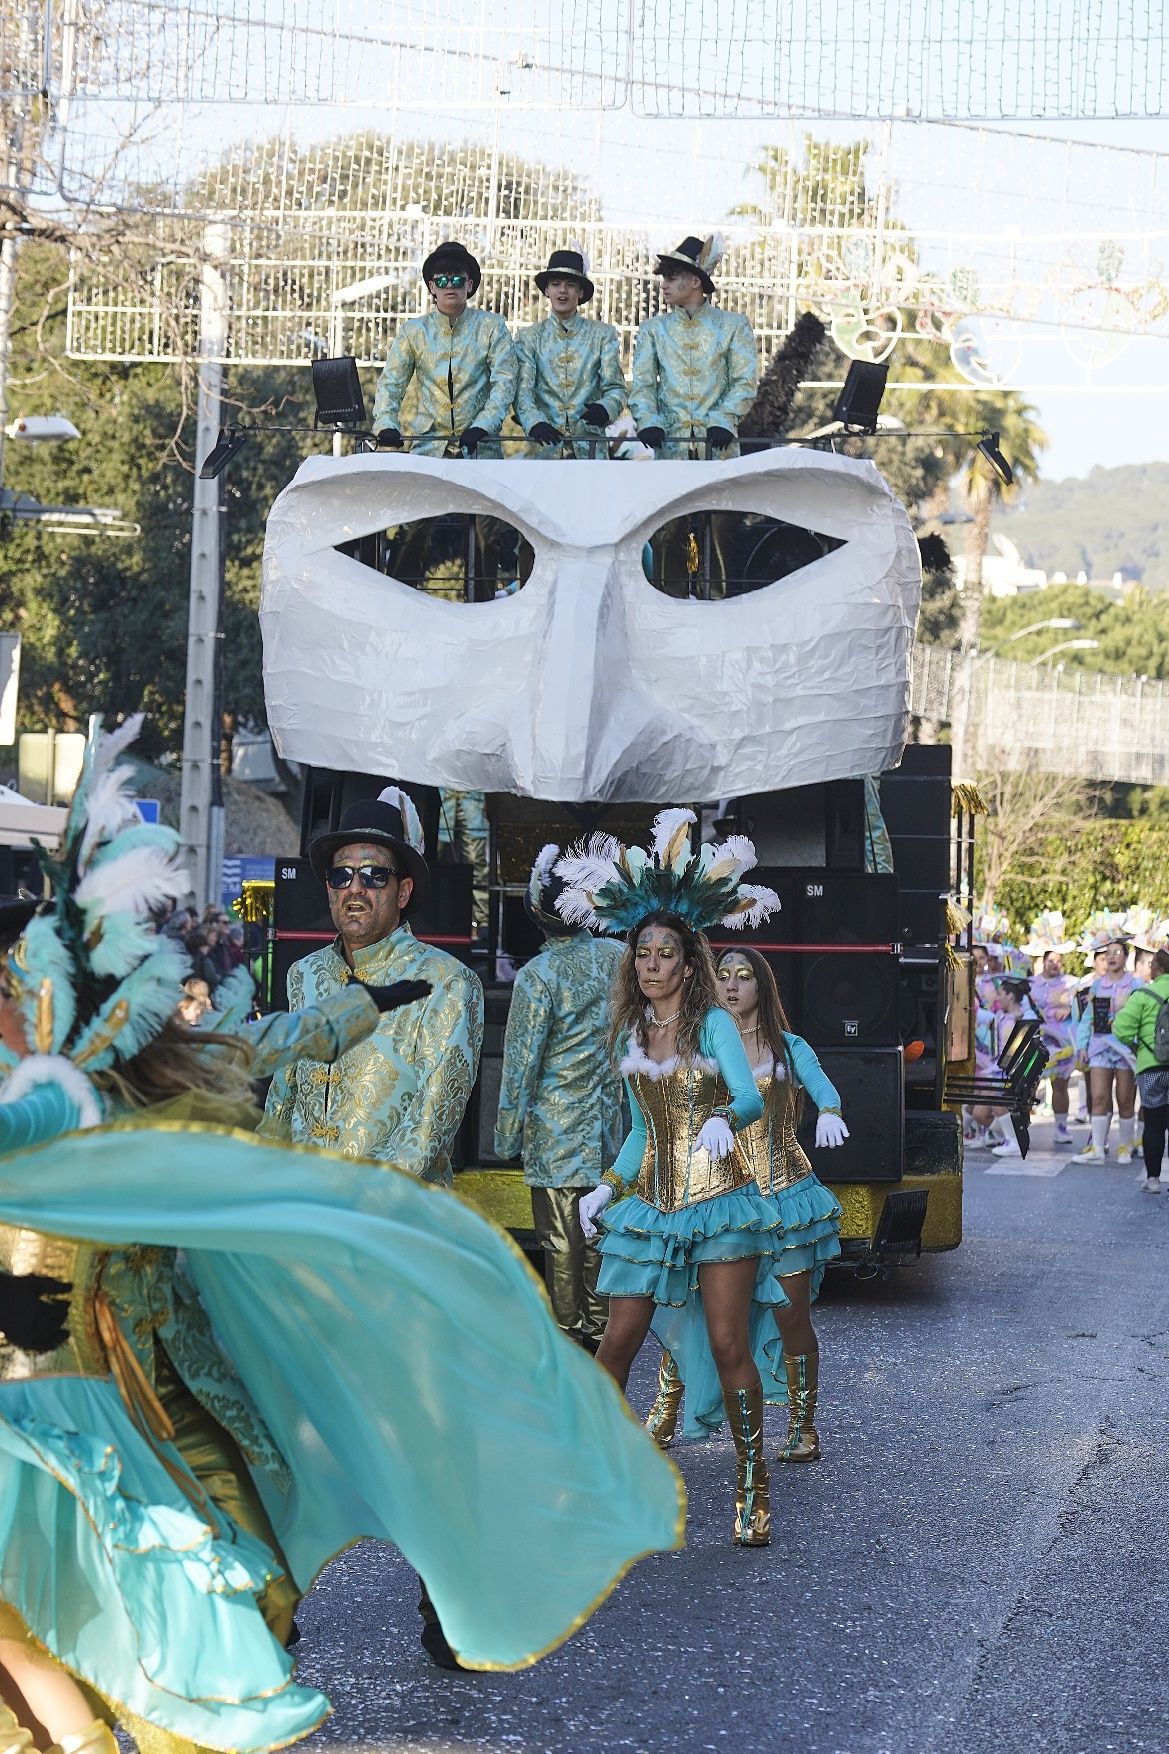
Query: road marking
1035	1163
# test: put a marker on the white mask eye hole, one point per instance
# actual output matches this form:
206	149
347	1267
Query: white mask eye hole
459	557
719	554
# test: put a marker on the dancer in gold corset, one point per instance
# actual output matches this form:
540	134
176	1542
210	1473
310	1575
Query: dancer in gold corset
683	1216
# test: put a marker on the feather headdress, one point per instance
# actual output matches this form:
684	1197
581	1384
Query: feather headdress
613	888
91	975
1148	931
1048	936
991	926
1104	926
402	801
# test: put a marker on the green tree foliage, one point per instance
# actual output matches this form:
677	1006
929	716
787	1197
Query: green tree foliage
1113	520
1105	863
1133	634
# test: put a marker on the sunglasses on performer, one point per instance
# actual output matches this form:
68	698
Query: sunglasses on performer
444	280
372	876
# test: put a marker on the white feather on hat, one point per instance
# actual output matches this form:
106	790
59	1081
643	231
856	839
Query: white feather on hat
404	804
712	252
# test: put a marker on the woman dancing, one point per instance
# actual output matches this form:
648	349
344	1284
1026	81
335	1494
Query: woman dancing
682	1211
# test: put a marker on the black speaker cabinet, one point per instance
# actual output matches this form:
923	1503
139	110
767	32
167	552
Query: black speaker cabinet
821	825
523	826
915	802
830	907
872	1100
326	793
848	998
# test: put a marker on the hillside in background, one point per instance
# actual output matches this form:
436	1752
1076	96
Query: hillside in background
1113	520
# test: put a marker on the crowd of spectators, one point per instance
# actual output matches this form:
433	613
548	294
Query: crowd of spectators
215	943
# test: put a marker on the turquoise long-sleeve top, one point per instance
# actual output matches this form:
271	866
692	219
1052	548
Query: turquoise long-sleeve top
718	1040
812	1075
559	1097
693	370
462	373
564	367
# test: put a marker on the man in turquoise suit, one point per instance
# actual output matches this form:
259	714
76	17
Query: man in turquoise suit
694	366
399	1097
457	363
571	385
560	1098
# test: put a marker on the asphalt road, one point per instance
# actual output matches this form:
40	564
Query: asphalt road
979	1563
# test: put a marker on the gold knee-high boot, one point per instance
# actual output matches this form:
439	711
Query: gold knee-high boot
803	1387
753	1485
662	1422
97	1739
14	1738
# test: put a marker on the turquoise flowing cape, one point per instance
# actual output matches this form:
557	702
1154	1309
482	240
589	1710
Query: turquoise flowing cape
406	1361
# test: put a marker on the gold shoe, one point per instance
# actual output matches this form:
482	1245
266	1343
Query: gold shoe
14	1738
753	1485
803	1385
662	1422
98	1738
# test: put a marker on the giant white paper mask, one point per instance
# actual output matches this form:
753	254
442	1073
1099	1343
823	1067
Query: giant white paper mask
589	684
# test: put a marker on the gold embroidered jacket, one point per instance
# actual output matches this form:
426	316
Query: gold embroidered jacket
459	374
400	1096
693	370
564	367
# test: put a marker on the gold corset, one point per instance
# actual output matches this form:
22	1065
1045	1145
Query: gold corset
776	1157
77	1266
676	1171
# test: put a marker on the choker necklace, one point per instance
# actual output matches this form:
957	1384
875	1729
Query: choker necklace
664	1022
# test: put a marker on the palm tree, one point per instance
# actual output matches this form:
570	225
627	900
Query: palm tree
1021	438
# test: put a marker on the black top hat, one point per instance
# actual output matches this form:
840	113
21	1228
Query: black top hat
451	257
568	265
389	820
696	256
540	895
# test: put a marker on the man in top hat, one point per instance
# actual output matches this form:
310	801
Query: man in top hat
399	1097
570	376
560	1098
694	366
460	362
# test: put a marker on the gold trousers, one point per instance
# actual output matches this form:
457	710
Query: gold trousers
571	1264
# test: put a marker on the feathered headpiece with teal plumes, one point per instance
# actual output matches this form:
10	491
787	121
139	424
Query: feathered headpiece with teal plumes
1104	926
612	888
94	980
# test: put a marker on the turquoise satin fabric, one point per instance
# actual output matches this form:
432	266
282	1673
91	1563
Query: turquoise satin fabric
405	1360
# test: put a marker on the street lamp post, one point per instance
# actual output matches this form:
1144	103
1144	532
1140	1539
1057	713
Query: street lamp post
962	698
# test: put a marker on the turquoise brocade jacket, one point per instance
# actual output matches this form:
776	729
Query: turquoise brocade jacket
462	374
693	370
559	1098
564	367
400	1096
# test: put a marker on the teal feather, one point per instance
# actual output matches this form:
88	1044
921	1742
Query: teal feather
152	993
46	957
125	940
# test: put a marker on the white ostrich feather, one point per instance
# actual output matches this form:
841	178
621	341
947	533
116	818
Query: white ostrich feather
108	809
756	904
591	864
576	909
742	850
542	870
666	826
404	802
112	743
134	882
575	244
712	251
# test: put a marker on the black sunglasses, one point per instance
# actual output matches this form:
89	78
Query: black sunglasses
450	280
372	876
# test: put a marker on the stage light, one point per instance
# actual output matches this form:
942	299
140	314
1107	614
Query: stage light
989	447
859	402
224	449
337	388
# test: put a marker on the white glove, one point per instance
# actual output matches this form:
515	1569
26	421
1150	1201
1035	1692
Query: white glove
591	1205
716	1137
830	1132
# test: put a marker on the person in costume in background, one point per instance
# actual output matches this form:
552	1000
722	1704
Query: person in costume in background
1135	1026
1053	995
1012	1004
457	365
695	370
559	1098
328	1286
682	1211
1111	1063
570	383
463	838
401	1096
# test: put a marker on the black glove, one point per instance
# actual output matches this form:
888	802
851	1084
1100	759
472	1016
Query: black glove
472	439
546	434
653	436
389	439
400	993
718	438
596	414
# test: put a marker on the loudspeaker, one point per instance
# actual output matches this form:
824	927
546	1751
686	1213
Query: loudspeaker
835	908
848	998
872	1100
859	402
523	826
915	802
821	825
326	793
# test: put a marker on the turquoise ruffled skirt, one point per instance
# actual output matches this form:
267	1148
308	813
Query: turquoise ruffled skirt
113	1568
811	1216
